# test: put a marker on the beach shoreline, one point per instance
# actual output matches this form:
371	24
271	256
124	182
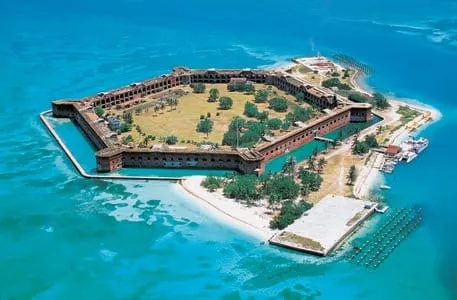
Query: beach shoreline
251	220
254	221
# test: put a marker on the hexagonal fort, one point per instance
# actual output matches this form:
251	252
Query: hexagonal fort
332	112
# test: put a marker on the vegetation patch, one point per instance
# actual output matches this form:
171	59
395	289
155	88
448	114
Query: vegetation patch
407	114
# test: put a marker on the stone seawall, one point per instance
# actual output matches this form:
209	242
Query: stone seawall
69	109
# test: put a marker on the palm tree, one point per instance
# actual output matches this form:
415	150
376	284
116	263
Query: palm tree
312	163
289	166
321	164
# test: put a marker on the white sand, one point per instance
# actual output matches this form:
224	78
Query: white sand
330	220
252	220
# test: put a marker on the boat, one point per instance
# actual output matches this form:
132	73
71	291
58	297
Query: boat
385	187
408	156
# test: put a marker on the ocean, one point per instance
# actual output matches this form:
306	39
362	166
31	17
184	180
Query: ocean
65	237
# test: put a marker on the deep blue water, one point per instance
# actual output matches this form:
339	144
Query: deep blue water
64	237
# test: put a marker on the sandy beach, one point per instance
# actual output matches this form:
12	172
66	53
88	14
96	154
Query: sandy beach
251	220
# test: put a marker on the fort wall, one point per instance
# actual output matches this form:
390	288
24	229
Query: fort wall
301	136
113	157
69	109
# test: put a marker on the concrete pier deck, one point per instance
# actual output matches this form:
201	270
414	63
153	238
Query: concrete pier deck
325	226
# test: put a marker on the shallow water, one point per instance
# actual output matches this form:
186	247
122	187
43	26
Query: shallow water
65	237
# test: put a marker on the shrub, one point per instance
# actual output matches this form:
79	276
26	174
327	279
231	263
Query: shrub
286	125
208	115
225	102
300	96
261	96
99	111
274	124
199	88
250	110
212	183
262	116
171	139
360	148
278	104
243	187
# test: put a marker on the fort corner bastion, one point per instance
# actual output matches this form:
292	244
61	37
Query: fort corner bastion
112	155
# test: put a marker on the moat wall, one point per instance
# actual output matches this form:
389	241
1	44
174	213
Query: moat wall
68	109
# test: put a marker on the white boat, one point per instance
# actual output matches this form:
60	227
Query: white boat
408	156
385	187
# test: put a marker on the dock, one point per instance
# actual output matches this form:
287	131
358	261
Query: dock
323	139
324	227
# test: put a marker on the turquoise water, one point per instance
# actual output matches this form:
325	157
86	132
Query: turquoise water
64	237
84	153
302	153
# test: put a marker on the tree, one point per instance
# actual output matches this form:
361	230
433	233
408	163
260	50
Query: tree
312	163
127	117
171	139
285	125
379	101
225	102
310	181
278	104
213	95
250	110
289	166
199	88
237	123
243	187
205	126
212	183
352	175
262	116
230	138
289	213
156	108
300	96
274	124
302	114
321	163
360	148
125	127
282	187
99	111
370	139
261	96
356	97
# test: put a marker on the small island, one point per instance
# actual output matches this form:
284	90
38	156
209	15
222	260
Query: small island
250	123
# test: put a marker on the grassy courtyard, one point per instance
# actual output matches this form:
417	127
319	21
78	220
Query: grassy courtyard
182	120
